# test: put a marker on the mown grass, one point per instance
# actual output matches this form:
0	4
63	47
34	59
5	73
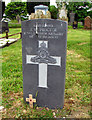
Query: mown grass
77	86
12	31
14	24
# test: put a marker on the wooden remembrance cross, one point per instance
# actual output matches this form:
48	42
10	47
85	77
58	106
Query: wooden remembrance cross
43	59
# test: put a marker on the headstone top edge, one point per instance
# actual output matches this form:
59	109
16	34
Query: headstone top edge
45	19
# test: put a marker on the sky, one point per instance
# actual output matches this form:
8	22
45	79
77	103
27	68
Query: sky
52	2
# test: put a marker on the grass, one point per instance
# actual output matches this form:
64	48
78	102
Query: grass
12	31
77	86
14	24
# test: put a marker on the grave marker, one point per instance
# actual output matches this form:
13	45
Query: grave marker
3	26
44	58
88	23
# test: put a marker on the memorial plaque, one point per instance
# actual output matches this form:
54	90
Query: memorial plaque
44	59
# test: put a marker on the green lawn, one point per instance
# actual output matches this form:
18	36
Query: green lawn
12	31
77	86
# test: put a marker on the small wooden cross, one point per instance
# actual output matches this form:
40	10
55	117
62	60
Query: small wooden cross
30	100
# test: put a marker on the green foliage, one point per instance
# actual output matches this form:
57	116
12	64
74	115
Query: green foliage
80	12
11	25
80	26
53	11
31	5
15	8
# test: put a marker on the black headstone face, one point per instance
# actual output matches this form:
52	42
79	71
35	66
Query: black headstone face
3	26
44	59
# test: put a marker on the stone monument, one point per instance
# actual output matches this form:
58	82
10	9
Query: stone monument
63	13
72	16
41	11
44	60
18	19
88	23
43	8
3	26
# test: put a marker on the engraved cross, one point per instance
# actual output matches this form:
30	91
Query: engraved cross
43	63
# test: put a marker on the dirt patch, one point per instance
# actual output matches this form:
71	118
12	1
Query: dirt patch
83	43
70	52
73	54
77	71
80	113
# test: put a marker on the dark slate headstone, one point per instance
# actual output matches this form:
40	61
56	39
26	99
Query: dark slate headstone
3	26
44	60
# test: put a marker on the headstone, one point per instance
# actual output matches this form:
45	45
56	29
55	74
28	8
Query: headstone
72	16
88	23
18	19
63	13
3	26
41	7
44	58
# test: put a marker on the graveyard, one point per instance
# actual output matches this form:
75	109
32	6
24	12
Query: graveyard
77	86
46	70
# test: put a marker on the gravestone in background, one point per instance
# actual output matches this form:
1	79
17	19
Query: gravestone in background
41	7
3	26
44	59
72	16
63	13
88	23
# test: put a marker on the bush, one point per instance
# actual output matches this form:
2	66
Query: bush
53	11
80	26
70	27
15	8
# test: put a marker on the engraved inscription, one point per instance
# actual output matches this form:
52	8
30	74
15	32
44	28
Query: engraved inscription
43	55
44	31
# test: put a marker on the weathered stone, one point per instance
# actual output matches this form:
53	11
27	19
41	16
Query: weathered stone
3	26
72	16
88	23
63	13
48	14
39	14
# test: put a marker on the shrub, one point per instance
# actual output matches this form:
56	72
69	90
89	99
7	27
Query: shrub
15	8
53	11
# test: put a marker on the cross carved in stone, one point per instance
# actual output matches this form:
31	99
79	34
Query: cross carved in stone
43	59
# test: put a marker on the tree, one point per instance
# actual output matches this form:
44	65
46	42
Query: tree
79	8
53	11
31	5
15	8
